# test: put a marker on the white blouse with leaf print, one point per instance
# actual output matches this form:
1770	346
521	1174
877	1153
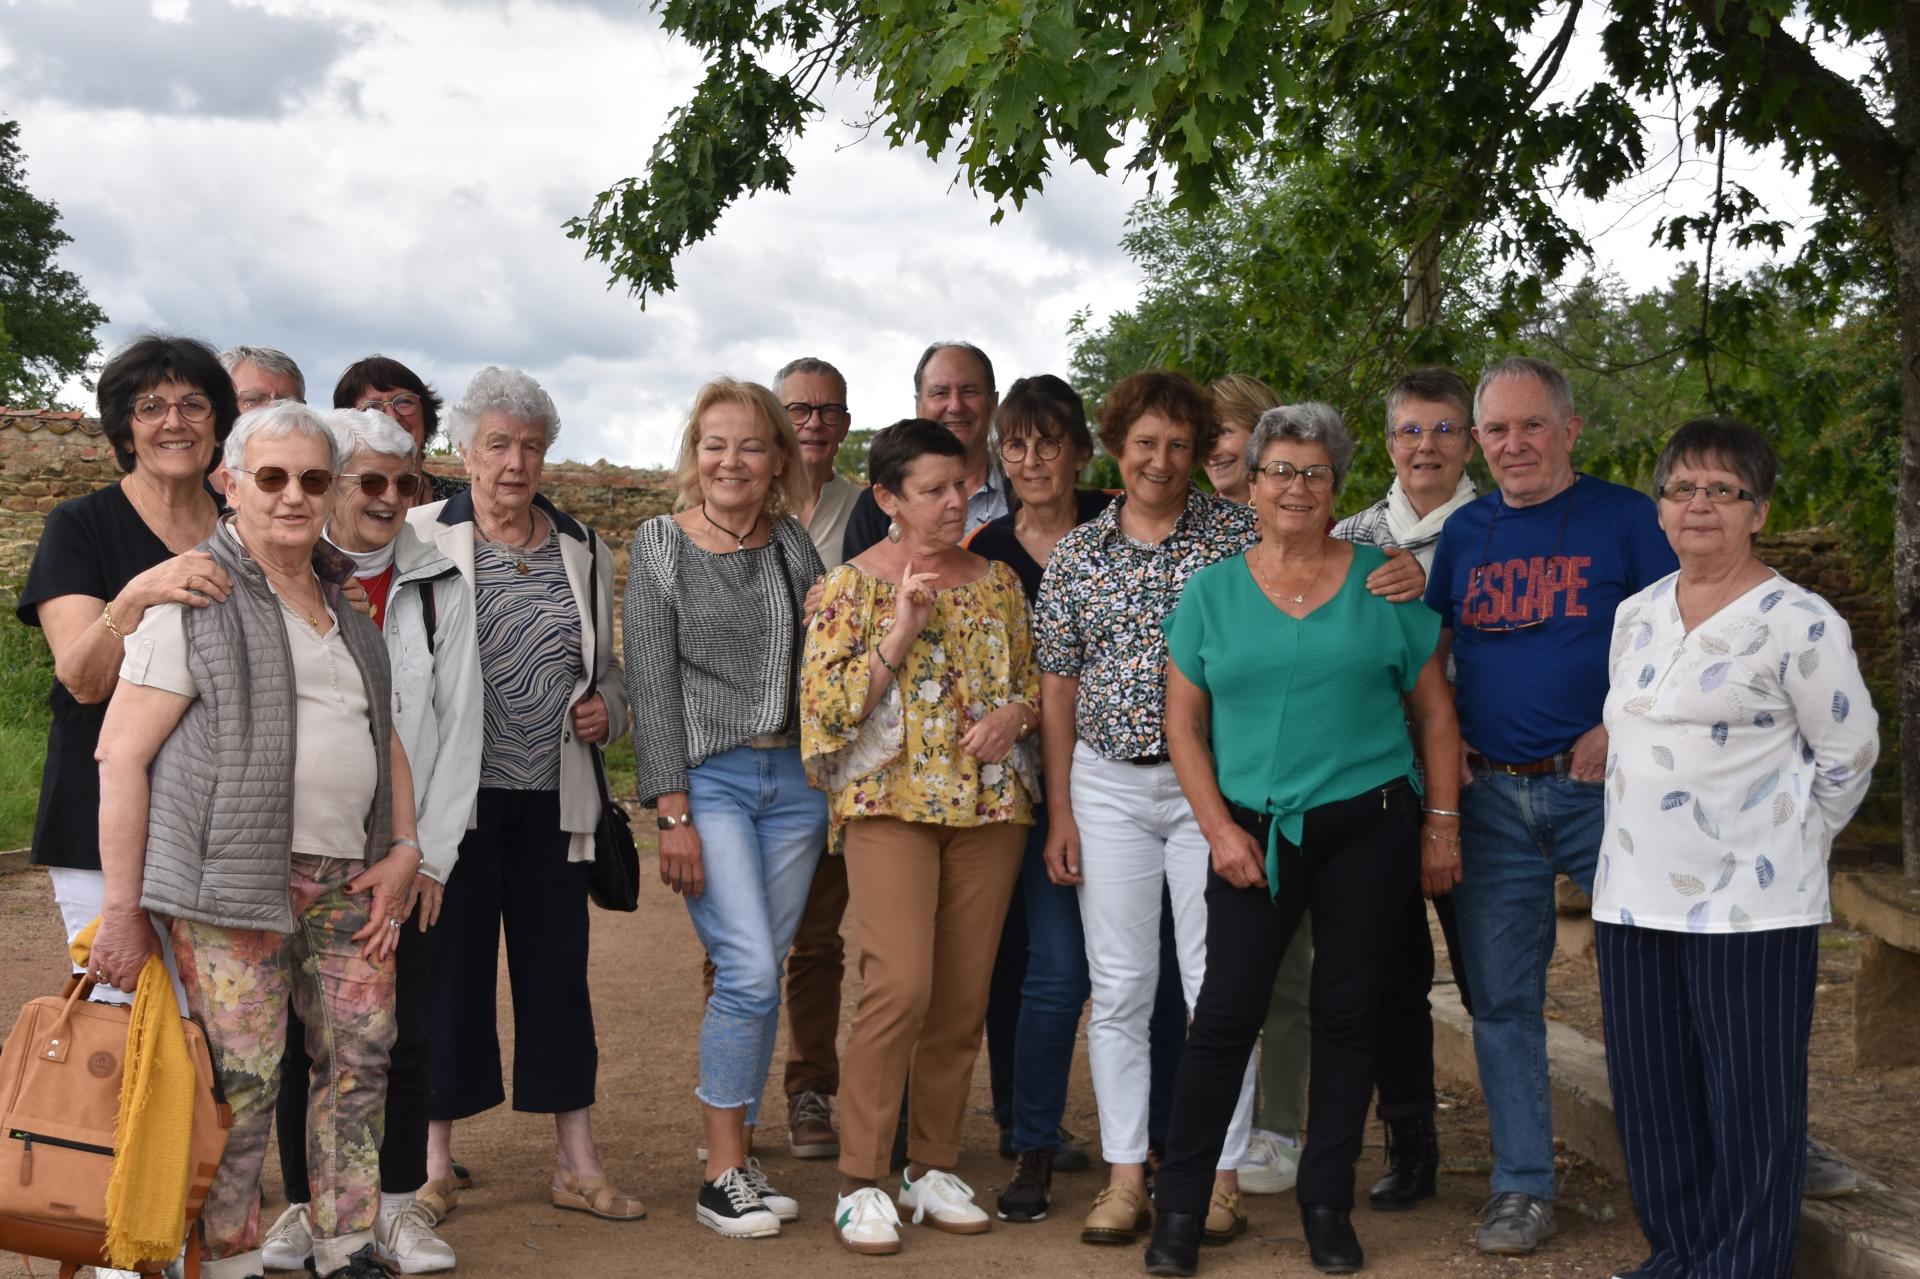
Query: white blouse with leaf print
1735	754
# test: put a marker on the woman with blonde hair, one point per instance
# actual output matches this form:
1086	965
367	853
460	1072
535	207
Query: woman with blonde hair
1238	401
715	623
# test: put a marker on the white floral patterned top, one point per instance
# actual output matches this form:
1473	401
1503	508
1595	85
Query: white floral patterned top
1735	754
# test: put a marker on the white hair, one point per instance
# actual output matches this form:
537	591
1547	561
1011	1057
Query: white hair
267	360
373	431
498	390
288	417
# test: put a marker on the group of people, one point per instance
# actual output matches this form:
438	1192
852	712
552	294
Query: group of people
1036	747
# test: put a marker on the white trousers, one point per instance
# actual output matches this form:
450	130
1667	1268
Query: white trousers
81	894
1137	832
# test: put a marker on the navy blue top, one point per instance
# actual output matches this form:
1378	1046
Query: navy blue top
1530	593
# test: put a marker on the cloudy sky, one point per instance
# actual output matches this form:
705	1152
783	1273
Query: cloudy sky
337	177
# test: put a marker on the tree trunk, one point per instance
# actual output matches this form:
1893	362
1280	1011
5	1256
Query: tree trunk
1906	536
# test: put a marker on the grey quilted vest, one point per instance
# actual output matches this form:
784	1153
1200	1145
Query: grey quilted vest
220	816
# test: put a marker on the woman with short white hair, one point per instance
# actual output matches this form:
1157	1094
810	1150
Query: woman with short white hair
552	694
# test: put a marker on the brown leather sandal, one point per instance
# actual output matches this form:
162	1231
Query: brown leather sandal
598	1196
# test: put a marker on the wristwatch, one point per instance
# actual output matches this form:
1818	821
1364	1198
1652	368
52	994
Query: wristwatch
663	822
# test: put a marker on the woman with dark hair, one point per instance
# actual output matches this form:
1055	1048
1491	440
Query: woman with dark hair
1740	740
918	699
388	386
166	406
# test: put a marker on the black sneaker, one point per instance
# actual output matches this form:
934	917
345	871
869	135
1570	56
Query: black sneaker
1069	1154
1027	1196
729	1206
364	1264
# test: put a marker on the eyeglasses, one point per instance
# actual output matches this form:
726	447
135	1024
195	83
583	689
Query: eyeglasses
1443	433
1319	476
373	484
1719	492
1014	451
151	410
830	414
403	405
251	400
271	479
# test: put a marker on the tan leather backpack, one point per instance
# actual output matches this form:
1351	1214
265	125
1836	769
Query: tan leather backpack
59	1097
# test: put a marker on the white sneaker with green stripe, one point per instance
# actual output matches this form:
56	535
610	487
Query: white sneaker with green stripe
867	1223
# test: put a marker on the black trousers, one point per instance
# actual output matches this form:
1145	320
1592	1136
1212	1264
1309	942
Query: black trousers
1357	863
1404	1055
513	870
403	1149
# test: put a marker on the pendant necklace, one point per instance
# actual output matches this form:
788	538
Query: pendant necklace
518	549
739	538
1301	598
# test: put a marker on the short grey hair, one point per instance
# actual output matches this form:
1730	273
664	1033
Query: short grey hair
1555	382
373	431
1309	422
508	391
268	360
288	417
809	364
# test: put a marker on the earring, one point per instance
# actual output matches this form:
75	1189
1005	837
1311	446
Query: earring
893	531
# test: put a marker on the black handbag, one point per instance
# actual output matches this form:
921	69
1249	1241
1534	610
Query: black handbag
613	876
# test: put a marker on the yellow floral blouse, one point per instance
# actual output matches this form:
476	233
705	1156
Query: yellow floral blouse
904	760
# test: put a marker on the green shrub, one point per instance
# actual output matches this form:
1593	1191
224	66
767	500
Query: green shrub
26	672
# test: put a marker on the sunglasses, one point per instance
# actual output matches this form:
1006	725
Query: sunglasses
271	479
374	484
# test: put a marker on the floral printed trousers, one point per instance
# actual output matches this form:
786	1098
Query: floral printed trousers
240	983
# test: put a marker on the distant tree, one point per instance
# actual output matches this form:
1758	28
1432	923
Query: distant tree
47	321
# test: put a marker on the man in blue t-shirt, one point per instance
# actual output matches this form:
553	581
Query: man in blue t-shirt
1527	579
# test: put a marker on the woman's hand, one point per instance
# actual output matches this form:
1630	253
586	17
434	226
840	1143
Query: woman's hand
681	868
390	880
1238	857
1400	579
590	719
1062	852
426	895
815	594
190	578
993	737
913	605
1440	868
356	597
121	947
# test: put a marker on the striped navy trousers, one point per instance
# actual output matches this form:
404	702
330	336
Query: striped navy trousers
1707	1060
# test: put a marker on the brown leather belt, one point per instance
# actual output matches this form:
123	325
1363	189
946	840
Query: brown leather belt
1535	768
772	741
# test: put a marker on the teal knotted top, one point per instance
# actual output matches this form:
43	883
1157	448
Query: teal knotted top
1305	711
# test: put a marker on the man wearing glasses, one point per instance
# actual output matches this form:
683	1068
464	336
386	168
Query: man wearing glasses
1526	580
815	396
261	376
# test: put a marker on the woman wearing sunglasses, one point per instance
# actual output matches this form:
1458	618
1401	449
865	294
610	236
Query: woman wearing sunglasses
255	793
425	609
387	386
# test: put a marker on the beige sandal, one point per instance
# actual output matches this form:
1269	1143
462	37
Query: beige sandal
441	1197
598	1196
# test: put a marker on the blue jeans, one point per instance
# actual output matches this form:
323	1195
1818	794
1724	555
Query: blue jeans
1516	833
762	828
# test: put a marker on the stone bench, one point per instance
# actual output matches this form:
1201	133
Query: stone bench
1886	986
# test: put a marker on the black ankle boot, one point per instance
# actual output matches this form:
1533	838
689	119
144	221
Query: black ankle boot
1175	1248
1413	1157
1331	1243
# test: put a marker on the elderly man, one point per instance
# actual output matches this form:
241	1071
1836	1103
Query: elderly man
261	376
1526	580
952	385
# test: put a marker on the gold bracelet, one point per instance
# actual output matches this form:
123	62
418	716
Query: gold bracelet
106	611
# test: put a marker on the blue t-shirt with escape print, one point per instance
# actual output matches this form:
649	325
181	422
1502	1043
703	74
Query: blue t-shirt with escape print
1530	592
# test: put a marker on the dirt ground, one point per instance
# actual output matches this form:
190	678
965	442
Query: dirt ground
645	968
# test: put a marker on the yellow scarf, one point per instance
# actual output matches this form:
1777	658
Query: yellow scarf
152	1136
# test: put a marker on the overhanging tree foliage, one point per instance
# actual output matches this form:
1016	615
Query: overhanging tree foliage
46	318
1456	113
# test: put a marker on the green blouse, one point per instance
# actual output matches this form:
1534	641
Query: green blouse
1306	711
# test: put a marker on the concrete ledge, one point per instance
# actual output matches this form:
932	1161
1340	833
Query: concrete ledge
1872	1234
1886	905
12	859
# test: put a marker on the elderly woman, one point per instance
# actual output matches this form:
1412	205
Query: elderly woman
715	620
1740	742
255	793
424	608
1238	400
551	695
1296	817
1430	441
166	406
918	702
384	385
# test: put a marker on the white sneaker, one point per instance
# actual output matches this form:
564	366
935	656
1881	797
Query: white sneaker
289	1245
406	1242
785	1207
1272	1164
866	1222
944	1202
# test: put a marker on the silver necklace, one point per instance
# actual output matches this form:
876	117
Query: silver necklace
518	549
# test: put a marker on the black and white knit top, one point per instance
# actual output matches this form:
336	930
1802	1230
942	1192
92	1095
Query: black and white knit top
712	645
